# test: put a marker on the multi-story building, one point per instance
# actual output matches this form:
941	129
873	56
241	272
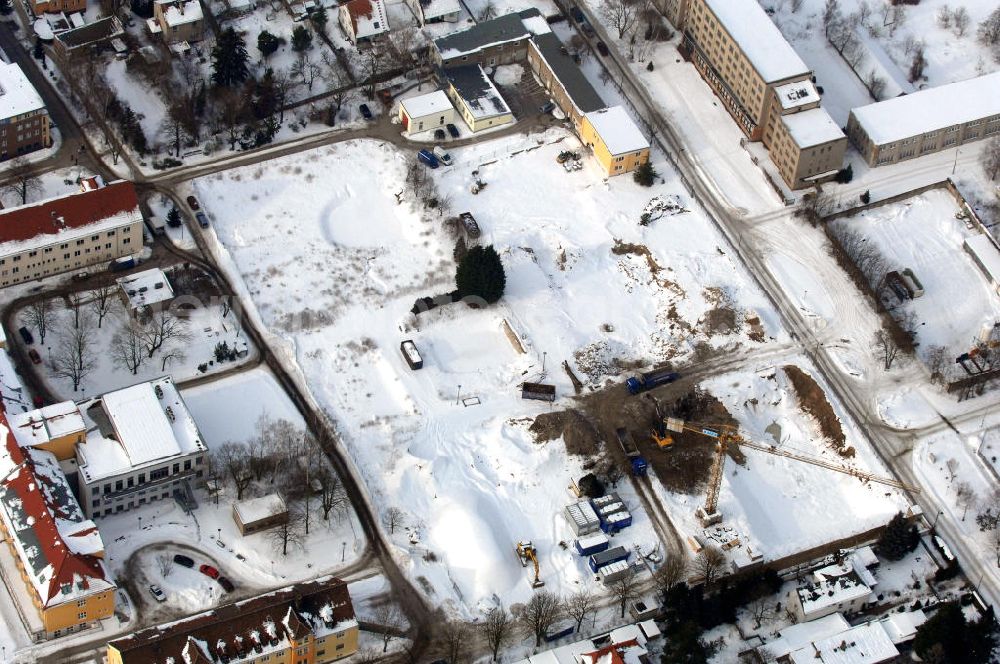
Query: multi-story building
142	445
56	550
70	232
764	85
617	143
309	623
24	120
927	121
500	41
177	21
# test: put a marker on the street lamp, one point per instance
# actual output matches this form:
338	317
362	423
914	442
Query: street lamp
219	531
343	551
458	397
936	517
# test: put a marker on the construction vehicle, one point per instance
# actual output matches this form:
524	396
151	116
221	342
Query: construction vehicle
526	553
636	462
726	435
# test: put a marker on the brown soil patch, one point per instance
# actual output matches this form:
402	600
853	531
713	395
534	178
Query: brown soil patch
578	433
813	402
756	329
631	249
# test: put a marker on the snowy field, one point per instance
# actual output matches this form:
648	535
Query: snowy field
333	264
922	234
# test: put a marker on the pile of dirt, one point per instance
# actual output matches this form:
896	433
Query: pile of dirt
578	433
813	402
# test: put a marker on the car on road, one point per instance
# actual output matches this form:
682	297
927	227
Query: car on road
183	560
576	14
157	593
428	158
26	335
602	48
193	203
226	584
366	112
202	219
35	357
452	130
442	155
209	571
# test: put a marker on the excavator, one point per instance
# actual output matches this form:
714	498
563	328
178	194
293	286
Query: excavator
526	554
726	435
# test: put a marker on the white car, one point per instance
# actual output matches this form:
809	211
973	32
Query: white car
442	155
157	593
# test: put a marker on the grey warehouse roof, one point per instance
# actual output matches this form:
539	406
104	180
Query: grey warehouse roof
569	74
501	29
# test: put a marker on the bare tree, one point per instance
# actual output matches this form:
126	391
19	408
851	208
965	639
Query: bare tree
539	613
39	315
163	326
951	465
938	364
625	589
369	66
231	459
708	564
875	85
488	12
338	83
995	543
172	127
21	180
620	14
74	357
165	564
367	656
760	610
831	16
232	113
988	32
965	497
76	300
305	69
389	617
673	570
886	346
331	497
918	64
127	348
944	17
104	300
291	532
393	518
990	157
172	354
497	627
455	637
579	605
960	19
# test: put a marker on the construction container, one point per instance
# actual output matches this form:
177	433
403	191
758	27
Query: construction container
582	518
616	521
591	544
614	571
411	354
611	508
599	560
538	391
606	499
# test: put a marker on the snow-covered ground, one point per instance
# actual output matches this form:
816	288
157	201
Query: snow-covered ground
333	264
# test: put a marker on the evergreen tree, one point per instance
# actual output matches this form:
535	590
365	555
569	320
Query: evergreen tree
229	59
320	18
846	174
480	274
947	638
301	39
173	218
38	52
898	539
645	174
5	7
267	43
684	645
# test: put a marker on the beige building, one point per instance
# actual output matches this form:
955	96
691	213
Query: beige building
762	82
928	121
476	98
501	41
177	21
24	121
92	227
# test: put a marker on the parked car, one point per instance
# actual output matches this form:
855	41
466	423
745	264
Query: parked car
442	155
366	112
193	203
226	584
576	14
202	219
157	593
547	108
123	263
26	335
439	135
470	225
428	158
602	48
209	571
452	130
183	560
35	357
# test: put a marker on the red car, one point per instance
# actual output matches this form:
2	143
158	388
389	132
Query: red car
193	203
209	571
35	357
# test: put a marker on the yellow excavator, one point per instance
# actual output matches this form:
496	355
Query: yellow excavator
526	554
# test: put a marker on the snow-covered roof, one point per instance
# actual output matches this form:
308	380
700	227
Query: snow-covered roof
15	399
864	644
258	509
367	17
37	427
17	95
831	586
796	94
879	63
759	38
930	109
437	8
428	104
812	127
475	88
617	130
986	254
146	288
630	636
502	29
801	634
902	627
180	12
536	25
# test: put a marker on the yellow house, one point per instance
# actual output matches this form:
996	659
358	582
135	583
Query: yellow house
308	623
615	140
476	98
58	429
57	551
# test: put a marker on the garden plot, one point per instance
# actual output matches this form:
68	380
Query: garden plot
922	234
333	251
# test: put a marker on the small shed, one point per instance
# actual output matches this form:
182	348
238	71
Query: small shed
258	514
141	291
426	112
582	518
538	391
411	355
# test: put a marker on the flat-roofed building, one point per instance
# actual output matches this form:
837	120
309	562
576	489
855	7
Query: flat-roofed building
478	101
927	121
24	120
617	142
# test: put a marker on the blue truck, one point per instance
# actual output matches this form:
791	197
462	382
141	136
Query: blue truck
650	379
599	560
635	460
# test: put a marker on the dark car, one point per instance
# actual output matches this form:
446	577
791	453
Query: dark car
428	158
547	108
452	130
226	584
202	219
35	357
193	203
209	571
37	401
576	14
183	560
439	135
26	335
366	112
602	48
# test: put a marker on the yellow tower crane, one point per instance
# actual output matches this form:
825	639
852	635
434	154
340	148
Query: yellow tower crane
726	435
